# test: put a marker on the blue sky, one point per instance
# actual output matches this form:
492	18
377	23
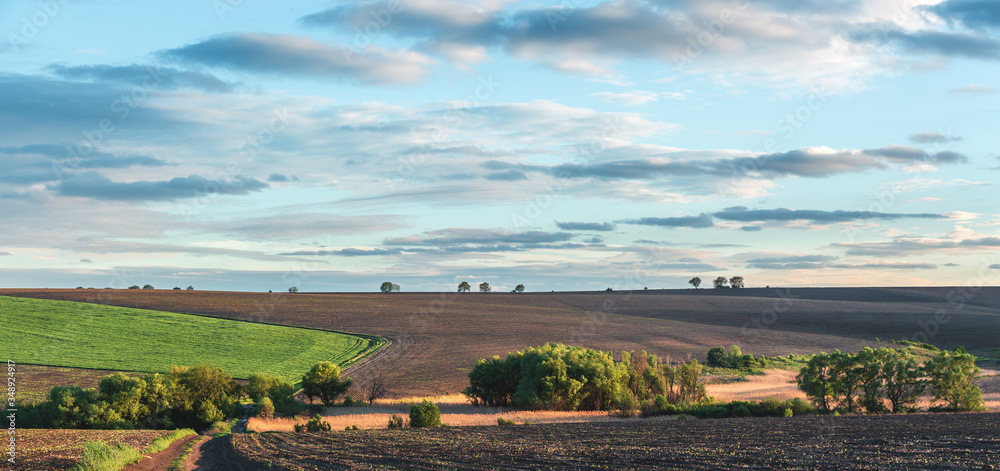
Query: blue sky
572	145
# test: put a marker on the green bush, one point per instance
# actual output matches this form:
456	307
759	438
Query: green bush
396	422
734	358
265	408
315	424
424	414
323	382
952	382
502	422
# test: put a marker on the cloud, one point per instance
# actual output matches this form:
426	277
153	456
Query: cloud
278	178
130	75
86	260
933	138
299	56
742	214
949	264
700	221
508	176
751	228
973	14
348	252
995	266
96	186
460	236
587	226
973	89
883	265
636	97
903	245
4	253
790	262
930	42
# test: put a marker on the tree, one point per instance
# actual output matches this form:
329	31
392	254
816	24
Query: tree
293	289
464	287
519	289
323	382
177	288
818	380
376	388
952	381
395	287
736	282
148	287
720	282
133	287
484	287
388	287
696	282
190	288
424	414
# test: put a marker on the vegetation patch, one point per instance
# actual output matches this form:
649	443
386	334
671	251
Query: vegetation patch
83	335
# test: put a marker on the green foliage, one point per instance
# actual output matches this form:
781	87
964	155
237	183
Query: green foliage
126	339
560	377
504	422
352	427
736	282
519	289
148	287
888	380
735	358
484	287
99	456
770	407
696	282
424	414
265	408
396	422
952	382
464	287
162	443
720	283
315	424
280	393
388	287
323	382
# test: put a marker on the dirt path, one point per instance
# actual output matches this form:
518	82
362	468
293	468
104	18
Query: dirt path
217	454
162	460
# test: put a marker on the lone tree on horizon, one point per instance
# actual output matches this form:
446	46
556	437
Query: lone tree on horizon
736	282
388	287
484	287
519	289
696	282
464	287
720	282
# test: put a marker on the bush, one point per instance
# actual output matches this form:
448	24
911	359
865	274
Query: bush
315	424
503	422
265	408
281	393
396	421
734	358
323	382
952	382
425	414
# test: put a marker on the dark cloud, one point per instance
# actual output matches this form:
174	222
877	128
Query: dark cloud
700	221
742	214
349	252
941	43
4	253
86	260
933	138
508	176
952	265
137	75
883	265
449	237
300	56
277	178
751	228
97	186
902	246
791	262
587	226
973	14
995	266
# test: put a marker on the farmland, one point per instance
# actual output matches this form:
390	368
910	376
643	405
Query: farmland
44	450
922	441
82	335
437	337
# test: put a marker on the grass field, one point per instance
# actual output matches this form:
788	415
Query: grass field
436	337
83	335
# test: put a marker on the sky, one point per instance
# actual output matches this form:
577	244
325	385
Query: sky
254	145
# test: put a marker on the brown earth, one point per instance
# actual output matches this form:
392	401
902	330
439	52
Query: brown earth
61	449
918	441
436	338
34	381
162	459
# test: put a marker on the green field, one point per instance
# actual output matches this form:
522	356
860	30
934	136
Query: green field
83	335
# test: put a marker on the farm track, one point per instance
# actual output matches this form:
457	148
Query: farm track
436	338
920	441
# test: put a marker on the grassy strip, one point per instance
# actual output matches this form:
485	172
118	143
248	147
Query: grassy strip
84	335
178	463
164	442
99	456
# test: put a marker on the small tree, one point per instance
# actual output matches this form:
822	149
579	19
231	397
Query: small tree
696	282
484	287
395	287
190	288
315	424
720	282
376	388
818	380
133	287
425	414
293	289
952	381
148	287
519	289
736	282
177	288
323	382
265	408
464	287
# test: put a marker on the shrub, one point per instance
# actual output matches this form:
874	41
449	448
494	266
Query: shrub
734	358
396	421
352	427
323	382
952	382
265	408
425	414
315	424
788	412
502	422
